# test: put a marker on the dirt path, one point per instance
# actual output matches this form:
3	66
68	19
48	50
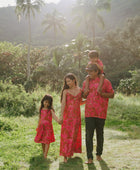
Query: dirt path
120	153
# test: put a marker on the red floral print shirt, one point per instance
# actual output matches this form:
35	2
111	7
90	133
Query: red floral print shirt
96	106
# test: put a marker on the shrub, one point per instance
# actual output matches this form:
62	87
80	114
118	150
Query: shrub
131	85
127	86
14	100
5	126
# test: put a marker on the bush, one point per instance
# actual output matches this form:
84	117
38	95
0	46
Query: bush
131	85
127	86
5	126
14	100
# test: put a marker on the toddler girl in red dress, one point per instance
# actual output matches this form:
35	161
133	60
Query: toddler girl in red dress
45	134
94	59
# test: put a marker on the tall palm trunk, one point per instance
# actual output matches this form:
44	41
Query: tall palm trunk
79	58
29	46
55	36
93	32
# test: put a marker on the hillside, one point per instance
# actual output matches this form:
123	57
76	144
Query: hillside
12	30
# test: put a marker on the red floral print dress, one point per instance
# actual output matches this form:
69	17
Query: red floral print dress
71	128
45	132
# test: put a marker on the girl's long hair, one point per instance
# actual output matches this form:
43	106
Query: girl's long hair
65	86
49	99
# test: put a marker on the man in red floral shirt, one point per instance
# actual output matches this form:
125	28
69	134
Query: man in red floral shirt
96	111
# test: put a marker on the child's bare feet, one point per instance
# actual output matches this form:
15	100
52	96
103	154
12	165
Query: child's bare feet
99	158
65	159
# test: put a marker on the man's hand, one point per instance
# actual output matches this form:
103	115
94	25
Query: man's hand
85	93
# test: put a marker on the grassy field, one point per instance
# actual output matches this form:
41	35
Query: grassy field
18	151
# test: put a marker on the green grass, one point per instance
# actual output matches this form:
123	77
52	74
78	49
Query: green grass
18	151
124	114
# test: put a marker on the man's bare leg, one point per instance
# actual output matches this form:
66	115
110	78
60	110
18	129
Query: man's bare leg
90	161
99	158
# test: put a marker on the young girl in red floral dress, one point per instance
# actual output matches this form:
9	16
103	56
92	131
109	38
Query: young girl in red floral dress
45	134
71	99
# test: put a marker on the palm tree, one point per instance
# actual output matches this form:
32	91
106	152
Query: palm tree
80	45
28	7
88	11
55	21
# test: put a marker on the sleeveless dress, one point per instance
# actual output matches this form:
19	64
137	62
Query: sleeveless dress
71	128
45	132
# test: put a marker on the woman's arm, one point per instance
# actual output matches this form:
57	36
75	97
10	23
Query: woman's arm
63	104
54	116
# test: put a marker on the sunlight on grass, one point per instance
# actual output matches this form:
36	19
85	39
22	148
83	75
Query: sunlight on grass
19	151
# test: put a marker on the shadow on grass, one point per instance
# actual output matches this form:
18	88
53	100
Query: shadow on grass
103	165
39	163
91	166
73	163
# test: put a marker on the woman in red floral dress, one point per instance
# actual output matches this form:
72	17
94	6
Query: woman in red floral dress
71	116
45	134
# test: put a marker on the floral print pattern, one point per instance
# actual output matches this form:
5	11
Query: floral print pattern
71	128
45	132
96	106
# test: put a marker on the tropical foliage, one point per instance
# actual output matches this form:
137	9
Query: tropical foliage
88	11
14	100
49	66
55	21
130	85
28	7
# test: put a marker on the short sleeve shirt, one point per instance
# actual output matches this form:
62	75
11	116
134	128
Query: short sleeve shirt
96	106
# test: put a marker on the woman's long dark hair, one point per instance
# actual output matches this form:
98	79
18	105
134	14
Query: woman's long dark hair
65	86
49	99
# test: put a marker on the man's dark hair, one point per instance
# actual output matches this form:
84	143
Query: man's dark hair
93	54
93	67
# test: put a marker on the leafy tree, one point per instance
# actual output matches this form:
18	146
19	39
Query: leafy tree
54	21
28	7
120	50
53	69
78	46
12	62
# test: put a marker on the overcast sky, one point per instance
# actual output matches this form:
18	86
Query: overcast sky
4	3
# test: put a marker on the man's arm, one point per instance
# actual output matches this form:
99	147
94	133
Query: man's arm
84	92
107	95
